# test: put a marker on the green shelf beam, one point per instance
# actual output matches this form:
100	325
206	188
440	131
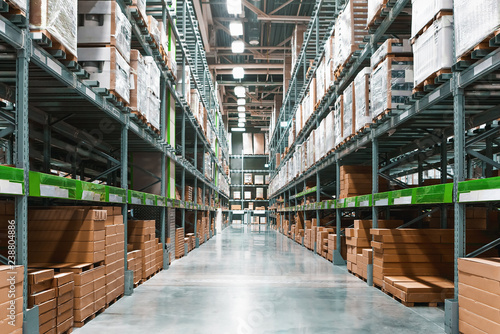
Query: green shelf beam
483	190
11	181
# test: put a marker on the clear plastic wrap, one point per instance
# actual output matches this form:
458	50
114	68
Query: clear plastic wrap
424	11
107	66
154	29
141	7
19	4
138	83
318	138
153	116
312	98
433	50
337	120
329	133
348	114
312	148
374	7
391	84
362	98
305	110
320	80
474	22
59	18
392	46
153	75
180	84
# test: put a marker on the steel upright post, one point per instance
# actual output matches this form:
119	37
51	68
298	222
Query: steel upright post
338	260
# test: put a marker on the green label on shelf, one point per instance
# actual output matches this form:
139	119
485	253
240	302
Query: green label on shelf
11	180
160	200
116	195
150	199
364	201
382	199
45	185
90	191
135	197
483	190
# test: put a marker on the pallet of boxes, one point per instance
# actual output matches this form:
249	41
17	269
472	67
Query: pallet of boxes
179	243
115	253
71	239
11	304
141	236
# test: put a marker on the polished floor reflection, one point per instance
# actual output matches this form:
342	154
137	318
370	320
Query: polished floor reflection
249	280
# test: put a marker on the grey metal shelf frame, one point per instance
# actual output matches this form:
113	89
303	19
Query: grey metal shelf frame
408	140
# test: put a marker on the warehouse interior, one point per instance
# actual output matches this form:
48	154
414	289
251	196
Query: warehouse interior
249	166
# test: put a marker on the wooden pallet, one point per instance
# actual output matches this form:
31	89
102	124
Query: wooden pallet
381	115
377	15
478	52
52	45
118	98
114	300
155	130
139	116
410	304
429	83
79	324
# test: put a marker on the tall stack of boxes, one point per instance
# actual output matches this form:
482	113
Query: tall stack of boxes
479	295
134	263
357	180
64	285
11	305
179	243
358	239
141	235
42	293
115	251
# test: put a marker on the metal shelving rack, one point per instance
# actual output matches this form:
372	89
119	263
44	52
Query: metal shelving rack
42	89
432	131
242	186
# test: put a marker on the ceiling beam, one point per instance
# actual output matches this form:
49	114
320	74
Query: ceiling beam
248	83
203	25
250	104
284	19
251	72
245	66
283	48
281	7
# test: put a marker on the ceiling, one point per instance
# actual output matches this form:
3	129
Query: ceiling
270	23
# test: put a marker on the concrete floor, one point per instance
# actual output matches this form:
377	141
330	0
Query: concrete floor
249	281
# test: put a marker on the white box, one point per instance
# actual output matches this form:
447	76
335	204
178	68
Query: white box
259	193
107	66
237	195
348	114
103	23
247	178
424	11
248	195
259	179
154	74
433	50
362	98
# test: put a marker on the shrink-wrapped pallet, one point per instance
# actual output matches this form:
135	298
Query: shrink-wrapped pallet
329	133
320	80
362	99
432	51
350	30
424	11
138	83
106	65
374	9
247	143
337	120
154	74
348	115
312	98
103	23
153	114
57	17
391	84
475	21
393	47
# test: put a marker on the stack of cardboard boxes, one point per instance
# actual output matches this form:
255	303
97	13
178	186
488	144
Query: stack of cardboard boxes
64	285
332	246
42	294
358	239
357	180
11	306
141	235
179	243
134	263
479	295
115	251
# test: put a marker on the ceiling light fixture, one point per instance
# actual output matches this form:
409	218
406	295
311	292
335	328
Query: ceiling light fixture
238	72
241	125
284	124
234	7
241	102
241	109
239	91
238	129
238	46
241	120
236	28
242	115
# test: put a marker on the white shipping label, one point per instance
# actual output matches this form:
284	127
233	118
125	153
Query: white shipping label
403	200
382	202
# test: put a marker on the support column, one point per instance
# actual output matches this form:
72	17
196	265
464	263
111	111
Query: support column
444	179
129	274
375	166
338	260
20	256
197	241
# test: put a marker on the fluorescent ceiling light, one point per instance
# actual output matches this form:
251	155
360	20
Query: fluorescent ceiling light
242	120
241	109
241	125
234	7
238	72
239	91
236	28
242	115
238	129
284	124
238	46
241	102
266	165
